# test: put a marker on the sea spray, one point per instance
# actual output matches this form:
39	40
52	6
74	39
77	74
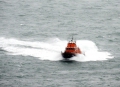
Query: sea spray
51	49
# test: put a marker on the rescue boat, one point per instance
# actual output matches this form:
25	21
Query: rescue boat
71	50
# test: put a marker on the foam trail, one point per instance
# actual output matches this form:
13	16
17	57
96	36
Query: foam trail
52	51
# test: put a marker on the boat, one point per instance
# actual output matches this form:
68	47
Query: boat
71	50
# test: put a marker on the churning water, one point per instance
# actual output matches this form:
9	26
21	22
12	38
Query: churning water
52	48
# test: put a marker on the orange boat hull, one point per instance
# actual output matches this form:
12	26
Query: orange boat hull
71	50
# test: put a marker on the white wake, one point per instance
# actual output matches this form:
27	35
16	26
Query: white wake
51	49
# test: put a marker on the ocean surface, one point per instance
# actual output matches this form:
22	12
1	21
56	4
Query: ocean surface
34	32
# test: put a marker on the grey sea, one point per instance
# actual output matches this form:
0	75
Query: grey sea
34	32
